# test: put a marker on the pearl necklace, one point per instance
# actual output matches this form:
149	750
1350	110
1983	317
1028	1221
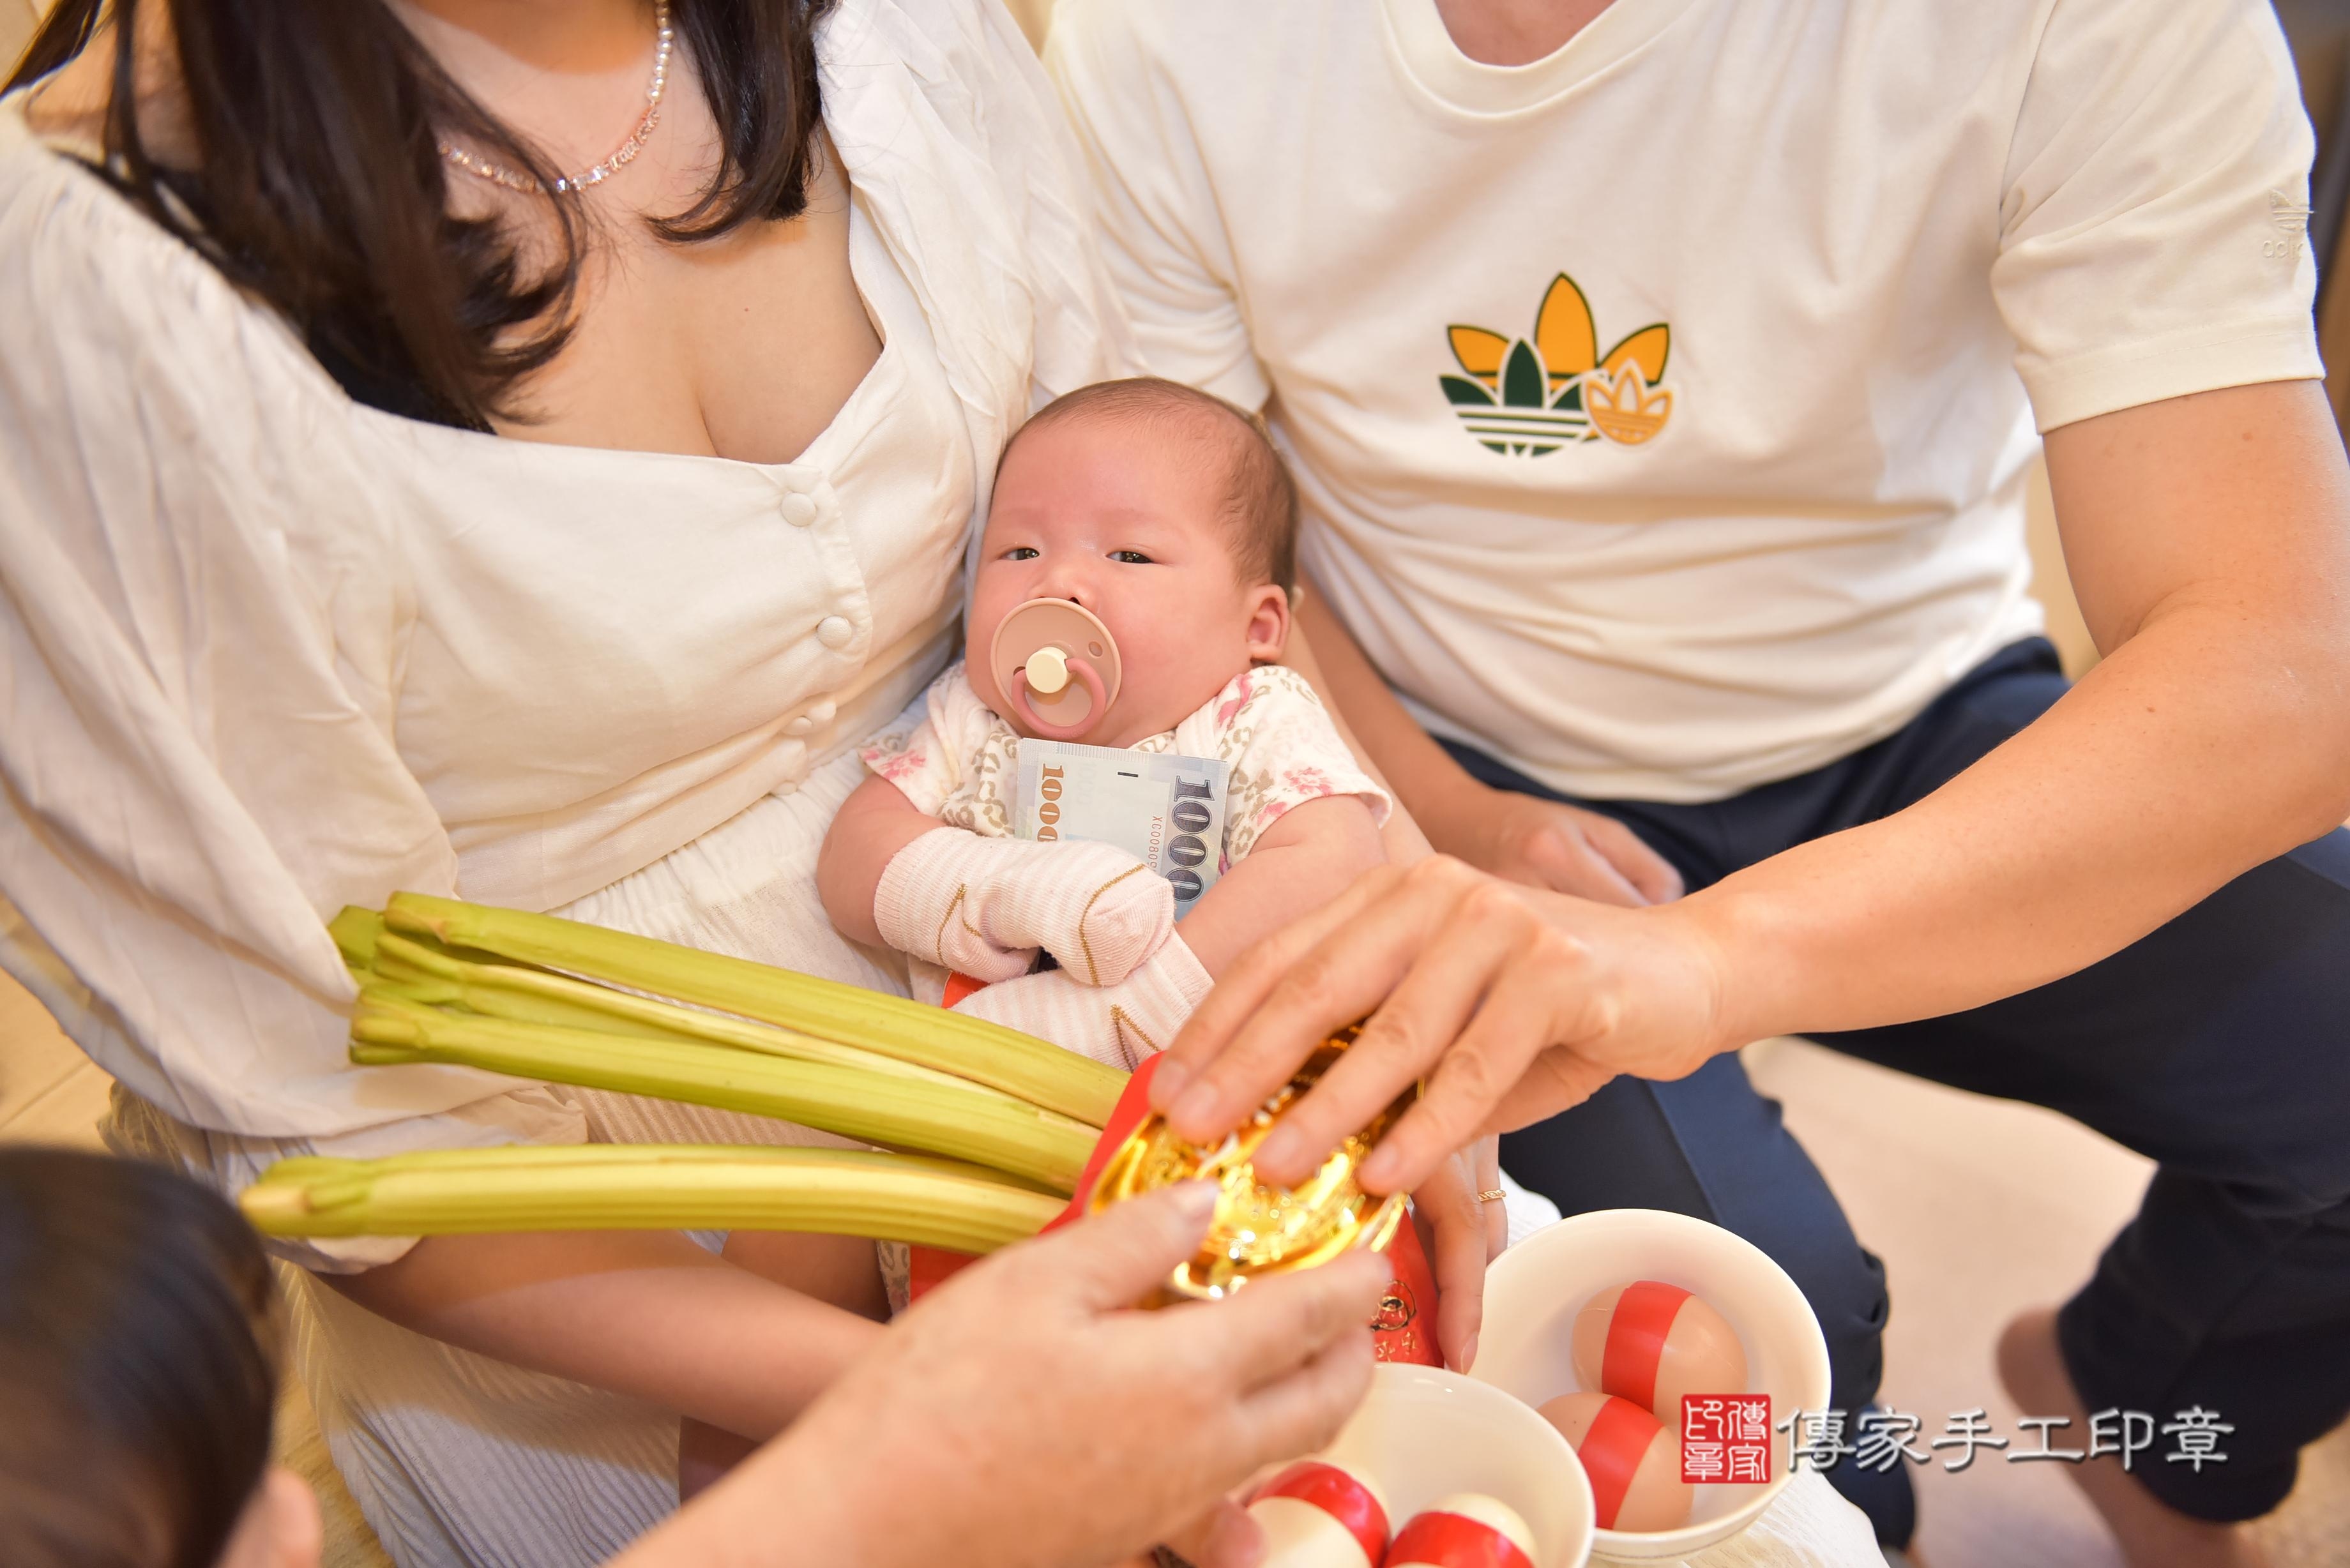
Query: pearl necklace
482	168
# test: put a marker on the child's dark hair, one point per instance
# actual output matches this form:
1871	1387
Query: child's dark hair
137	1365
1260	497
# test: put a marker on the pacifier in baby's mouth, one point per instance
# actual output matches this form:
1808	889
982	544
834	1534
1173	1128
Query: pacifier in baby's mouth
1056	664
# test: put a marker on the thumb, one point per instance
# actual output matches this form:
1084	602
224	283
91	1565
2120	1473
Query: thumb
1120	1255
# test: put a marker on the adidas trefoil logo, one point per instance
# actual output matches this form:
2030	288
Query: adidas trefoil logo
1528	398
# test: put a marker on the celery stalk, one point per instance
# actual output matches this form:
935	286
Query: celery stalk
962	1120
535	996
932	1037
648	1187
354	932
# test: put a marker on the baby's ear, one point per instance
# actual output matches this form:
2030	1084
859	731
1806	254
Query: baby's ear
1269	621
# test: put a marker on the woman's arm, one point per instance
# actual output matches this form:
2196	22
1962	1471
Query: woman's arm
1520	836
646	1313
2209	537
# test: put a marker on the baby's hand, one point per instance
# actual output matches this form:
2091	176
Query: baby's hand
983	906
1115	1024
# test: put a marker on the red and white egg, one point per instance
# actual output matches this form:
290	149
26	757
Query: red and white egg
1631	1457
1320	1515
1652	1343
1466	1530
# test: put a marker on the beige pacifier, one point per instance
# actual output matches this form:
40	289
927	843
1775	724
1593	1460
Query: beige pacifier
1056	664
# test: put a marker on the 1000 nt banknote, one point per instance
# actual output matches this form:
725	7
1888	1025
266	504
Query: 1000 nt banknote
1167	811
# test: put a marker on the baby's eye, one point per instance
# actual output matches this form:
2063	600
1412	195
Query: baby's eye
1130	557
1020	553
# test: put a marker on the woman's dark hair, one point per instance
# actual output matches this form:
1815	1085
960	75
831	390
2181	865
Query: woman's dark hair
320	187
137	1365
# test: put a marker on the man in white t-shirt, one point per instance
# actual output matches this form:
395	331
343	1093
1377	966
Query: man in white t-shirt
1662	378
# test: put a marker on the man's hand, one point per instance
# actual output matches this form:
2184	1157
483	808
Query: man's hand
1513	1003
1543	843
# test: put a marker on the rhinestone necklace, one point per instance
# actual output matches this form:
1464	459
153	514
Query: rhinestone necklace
482	168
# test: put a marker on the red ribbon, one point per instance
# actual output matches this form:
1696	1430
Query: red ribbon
1340	1495
1636	1341
1454	1541
1611	1452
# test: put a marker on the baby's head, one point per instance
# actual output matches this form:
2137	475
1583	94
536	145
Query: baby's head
1165	512
138	1375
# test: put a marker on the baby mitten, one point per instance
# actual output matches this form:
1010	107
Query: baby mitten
1117	1026
983	906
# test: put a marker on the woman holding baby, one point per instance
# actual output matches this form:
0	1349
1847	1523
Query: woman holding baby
524	452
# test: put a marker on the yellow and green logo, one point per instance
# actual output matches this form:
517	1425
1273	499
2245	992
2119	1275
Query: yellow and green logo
1530	397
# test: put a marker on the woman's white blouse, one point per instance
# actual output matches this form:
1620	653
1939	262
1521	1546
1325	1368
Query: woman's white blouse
264	652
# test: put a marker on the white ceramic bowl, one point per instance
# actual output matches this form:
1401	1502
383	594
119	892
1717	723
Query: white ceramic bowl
1424	1433
1533	1291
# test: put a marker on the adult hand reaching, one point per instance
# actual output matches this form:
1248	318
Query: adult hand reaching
1459	1241
1545	844
1022	1415
1513	1003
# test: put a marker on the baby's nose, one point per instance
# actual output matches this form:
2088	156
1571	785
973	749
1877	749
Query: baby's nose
1068	582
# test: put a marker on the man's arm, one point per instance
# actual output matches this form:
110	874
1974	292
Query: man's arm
1540	843
1399	835
2209	537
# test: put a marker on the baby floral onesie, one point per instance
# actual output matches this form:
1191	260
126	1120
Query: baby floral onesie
955	759
957	762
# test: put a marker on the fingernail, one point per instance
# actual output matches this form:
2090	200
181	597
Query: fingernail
1469	1354
1195	1200
1378	1172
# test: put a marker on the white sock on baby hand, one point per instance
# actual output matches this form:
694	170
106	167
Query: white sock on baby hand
983	906
1117	1026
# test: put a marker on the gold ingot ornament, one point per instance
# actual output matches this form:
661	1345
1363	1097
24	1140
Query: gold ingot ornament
1261	1230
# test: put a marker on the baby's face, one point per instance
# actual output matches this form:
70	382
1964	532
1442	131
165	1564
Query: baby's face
1123	519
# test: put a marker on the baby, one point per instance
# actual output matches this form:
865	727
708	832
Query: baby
1166	515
